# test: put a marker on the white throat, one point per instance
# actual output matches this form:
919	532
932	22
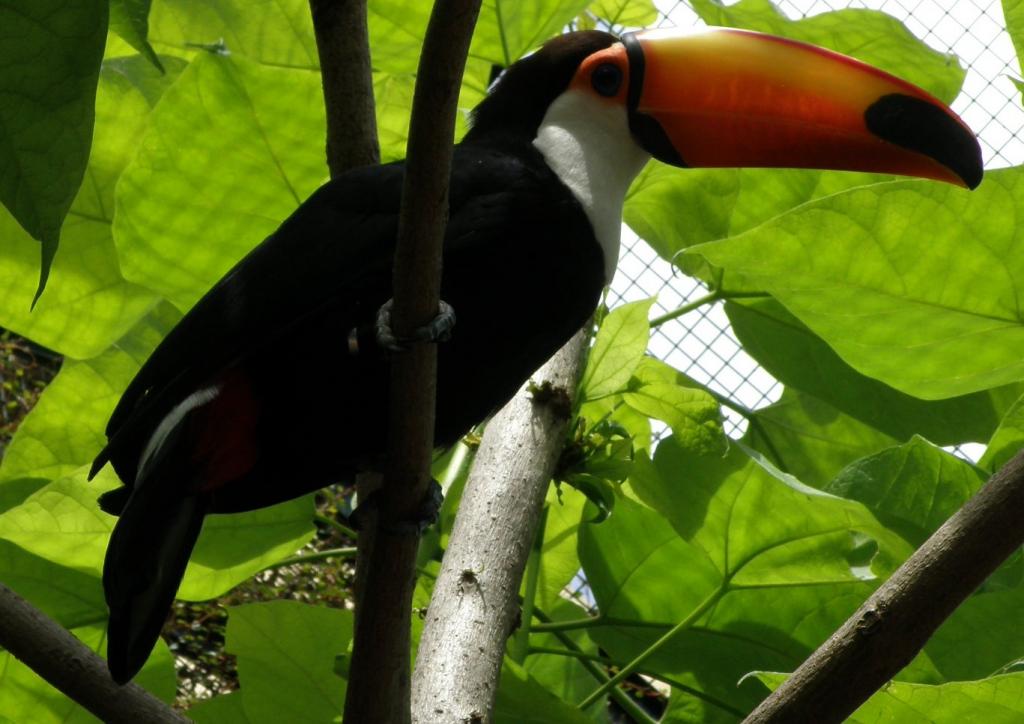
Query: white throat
587	143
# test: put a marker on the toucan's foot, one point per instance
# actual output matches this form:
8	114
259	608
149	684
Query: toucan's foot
438	330
425	515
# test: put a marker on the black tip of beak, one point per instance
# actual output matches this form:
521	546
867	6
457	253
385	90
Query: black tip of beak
918	125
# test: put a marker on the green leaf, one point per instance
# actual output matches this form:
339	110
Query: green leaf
276	33
233	547
618	348
981	638
868	35
999	699
912	488
798	358
65	428
62	523
693	415
787	564
809	438
673	209
27	698
719	504
1013	12
70	597
50	54
563	676
559	562
625	13
870	292
130	20
521	700
222	709
1007	440
225	159
286	654
506	31
88	304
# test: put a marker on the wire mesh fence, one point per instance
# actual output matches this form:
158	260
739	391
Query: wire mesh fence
701	343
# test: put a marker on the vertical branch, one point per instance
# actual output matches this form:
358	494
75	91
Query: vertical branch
378	689
342	42
72	667
475	599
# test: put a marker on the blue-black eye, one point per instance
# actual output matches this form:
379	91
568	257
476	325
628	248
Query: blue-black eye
607	79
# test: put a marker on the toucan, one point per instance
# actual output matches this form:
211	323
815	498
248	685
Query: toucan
273	384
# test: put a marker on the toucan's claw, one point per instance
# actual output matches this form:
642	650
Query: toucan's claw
439	329
425	515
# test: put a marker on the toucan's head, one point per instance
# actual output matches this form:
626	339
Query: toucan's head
729	98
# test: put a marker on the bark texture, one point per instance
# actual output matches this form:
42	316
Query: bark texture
342	42
475	600
378	688
72	667
896	622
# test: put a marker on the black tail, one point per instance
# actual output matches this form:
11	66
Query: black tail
145	562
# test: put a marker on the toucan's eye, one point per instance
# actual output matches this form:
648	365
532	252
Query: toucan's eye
607	79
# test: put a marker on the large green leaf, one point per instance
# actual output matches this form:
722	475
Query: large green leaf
278	33
809	438
65	428
1013	12
996	700
981	638
508	30
798	358
50	53
522	700
88	304
62	523
693	415
559	562
27	698
286	654
233	547
618	348
625	13
1007	440
674	209
646	579
912	488
130	20
227	156
860	268
720	503
868	35
70	597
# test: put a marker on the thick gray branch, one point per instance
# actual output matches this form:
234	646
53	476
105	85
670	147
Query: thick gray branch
896	622
378	689
72	667
475	598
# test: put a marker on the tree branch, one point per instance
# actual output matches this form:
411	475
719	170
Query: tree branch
342	42
475	597
378	689
895	623
72	667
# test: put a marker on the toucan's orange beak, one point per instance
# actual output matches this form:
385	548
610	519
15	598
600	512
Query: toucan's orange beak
725	97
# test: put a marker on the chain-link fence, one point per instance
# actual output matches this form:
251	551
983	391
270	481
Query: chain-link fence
701	344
